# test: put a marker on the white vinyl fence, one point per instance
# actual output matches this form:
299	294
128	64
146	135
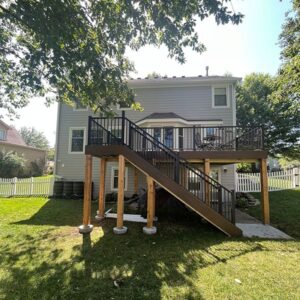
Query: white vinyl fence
10	187
282	180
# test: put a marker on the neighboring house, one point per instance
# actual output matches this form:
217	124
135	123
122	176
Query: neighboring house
11	140
193	116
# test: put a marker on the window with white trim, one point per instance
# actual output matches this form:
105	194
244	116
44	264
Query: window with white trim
114	178
220	97
77	140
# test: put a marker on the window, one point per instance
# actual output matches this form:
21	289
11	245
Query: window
220	97
210	131
180	138
2	135
77	140
168	137
114	178
79	106
157	134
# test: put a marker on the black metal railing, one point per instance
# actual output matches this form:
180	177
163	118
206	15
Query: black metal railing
104	131
209	138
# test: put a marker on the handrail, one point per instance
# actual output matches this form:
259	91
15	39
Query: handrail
178	169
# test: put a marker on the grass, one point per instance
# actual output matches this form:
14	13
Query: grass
284	210
42	256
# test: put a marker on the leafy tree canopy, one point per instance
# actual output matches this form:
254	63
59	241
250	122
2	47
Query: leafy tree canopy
258	106
76	49
34	138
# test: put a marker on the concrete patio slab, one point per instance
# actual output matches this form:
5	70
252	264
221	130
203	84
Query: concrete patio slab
262	231
252	227
241	217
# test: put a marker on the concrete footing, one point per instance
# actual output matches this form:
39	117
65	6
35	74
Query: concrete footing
149	230
120	230
85	228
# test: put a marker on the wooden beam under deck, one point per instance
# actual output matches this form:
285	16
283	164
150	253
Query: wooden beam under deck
120	205
87	190
150	201
102	188
264	191
223	157
215	157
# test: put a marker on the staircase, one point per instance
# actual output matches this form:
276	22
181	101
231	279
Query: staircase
198	191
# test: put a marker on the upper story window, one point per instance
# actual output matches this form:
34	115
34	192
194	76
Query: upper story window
2	135
77	140
80	107
220	96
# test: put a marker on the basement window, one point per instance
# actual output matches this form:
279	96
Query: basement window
114	178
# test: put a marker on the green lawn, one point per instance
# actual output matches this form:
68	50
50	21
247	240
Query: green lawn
42	256
284	210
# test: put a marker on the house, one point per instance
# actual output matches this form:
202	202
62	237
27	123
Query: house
11	140
185	140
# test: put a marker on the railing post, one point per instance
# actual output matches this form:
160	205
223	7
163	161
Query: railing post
89	130
220	204
233	200
129	135
123	127
176	171
194	136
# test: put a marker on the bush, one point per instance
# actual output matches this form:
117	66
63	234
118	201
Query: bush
37	168
242	202
244	168
11	165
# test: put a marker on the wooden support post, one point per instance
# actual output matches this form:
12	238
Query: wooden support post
120	229
136	181
264	191
101	205
86	227
206	184
150	229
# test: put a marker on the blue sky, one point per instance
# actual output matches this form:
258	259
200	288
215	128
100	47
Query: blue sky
249	47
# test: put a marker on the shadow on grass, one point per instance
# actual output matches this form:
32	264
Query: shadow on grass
133	266
65	265
57	213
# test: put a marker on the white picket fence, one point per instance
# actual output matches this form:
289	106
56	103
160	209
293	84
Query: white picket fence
10	187
282	180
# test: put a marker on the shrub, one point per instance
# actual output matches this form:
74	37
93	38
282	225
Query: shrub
37	168
244	168
11	164
242	202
